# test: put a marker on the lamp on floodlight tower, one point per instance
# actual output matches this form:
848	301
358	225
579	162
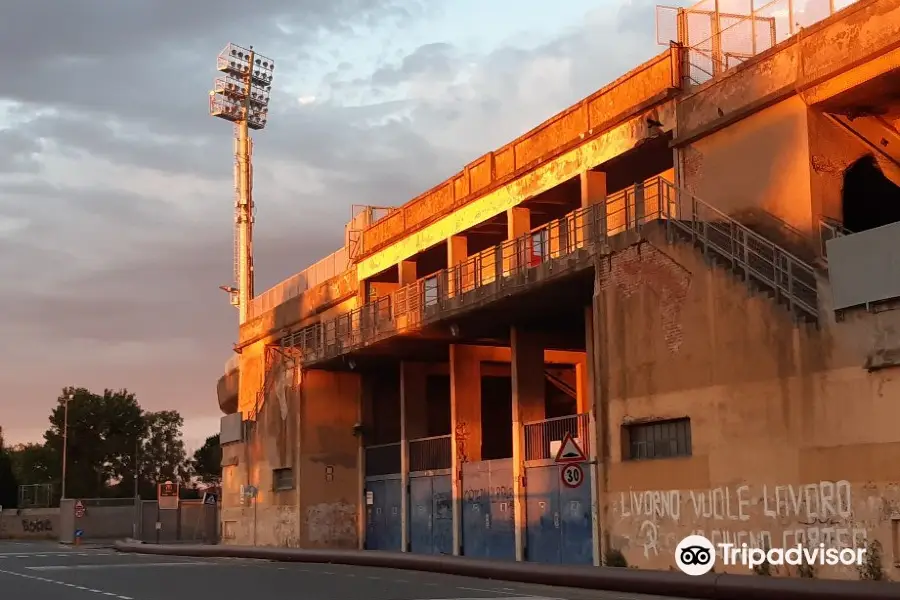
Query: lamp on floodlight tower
241	96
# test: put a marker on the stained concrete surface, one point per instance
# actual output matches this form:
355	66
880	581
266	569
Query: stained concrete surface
49	571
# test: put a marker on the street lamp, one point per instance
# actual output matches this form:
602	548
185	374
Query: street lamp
66	398
242	97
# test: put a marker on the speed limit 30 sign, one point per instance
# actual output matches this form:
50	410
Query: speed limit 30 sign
572	475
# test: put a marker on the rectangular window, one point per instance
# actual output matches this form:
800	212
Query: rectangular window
430	286
283	479
658	439
540	246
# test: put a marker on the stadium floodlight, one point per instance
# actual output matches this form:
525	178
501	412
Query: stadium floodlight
241	95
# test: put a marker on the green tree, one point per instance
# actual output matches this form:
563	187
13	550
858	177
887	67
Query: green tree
206	463
32	463
102	433
162	456
9	486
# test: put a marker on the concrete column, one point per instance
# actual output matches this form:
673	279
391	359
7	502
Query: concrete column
593	191
366	410
528	404
407	272
518	223
589	386
465	417
597	333
413	425
458	252
404	460
593	188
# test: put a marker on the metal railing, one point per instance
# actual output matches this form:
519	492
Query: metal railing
828	230
721	34
539	435
429	454
792	280
382	459
506	268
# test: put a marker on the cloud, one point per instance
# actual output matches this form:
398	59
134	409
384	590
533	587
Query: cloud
116	188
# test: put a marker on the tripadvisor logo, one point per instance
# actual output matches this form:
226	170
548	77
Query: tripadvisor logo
696	555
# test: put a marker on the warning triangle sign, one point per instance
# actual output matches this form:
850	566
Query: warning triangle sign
569	451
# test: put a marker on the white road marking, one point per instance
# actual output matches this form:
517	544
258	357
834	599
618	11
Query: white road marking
63	583
122	566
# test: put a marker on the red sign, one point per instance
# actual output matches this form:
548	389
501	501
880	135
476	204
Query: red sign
79	509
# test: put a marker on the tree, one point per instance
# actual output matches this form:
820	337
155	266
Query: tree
162	456
103	431
9	486
32	463
206	463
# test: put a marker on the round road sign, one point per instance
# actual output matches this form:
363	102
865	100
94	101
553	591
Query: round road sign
572	475
79	513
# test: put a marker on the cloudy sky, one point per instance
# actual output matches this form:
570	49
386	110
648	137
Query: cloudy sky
116	185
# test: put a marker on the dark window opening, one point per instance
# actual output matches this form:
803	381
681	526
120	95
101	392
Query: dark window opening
868	198
283	479
657	439
496	417
437	390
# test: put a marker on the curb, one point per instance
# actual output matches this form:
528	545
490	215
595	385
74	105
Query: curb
634	581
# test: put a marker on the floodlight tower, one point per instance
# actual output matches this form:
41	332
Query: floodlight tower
242	97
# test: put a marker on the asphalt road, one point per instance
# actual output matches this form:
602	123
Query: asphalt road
49	571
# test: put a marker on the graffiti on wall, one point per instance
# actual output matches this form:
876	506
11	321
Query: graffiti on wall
759	516
37	525
462	439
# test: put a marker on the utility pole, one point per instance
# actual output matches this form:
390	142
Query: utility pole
66	398
242	97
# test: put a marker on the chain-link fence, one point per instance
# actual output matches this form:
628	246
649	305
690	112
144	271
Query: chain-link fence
721	34
36	495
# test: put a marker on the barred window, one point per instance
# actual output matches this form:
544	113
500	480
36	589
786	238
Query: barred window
283	479
658	439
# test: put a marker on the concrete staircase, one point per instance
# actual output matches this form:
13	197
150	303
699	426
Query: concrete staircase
763	265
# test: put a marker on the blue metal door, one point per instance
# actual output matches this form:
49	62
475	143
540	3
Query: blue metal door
392	489
375	524
431	515
383	516
558	518
543	532
421	514
502	529
577	526
476	508
442	515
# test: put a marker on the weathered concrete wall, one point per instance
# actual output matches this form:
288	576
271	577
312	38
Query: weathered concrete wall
305	424
792	438
759	162
329	451
815	63
29	523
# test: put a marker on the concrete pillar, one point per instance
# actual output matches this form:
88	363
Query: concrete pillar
413	425
366	410
465	417
528	404
593	188
590	390
407	272
457	253
518	223
593	191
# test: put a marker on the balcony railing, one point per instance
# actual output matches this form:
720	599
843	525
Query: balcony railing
506	268
541	435
429	454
